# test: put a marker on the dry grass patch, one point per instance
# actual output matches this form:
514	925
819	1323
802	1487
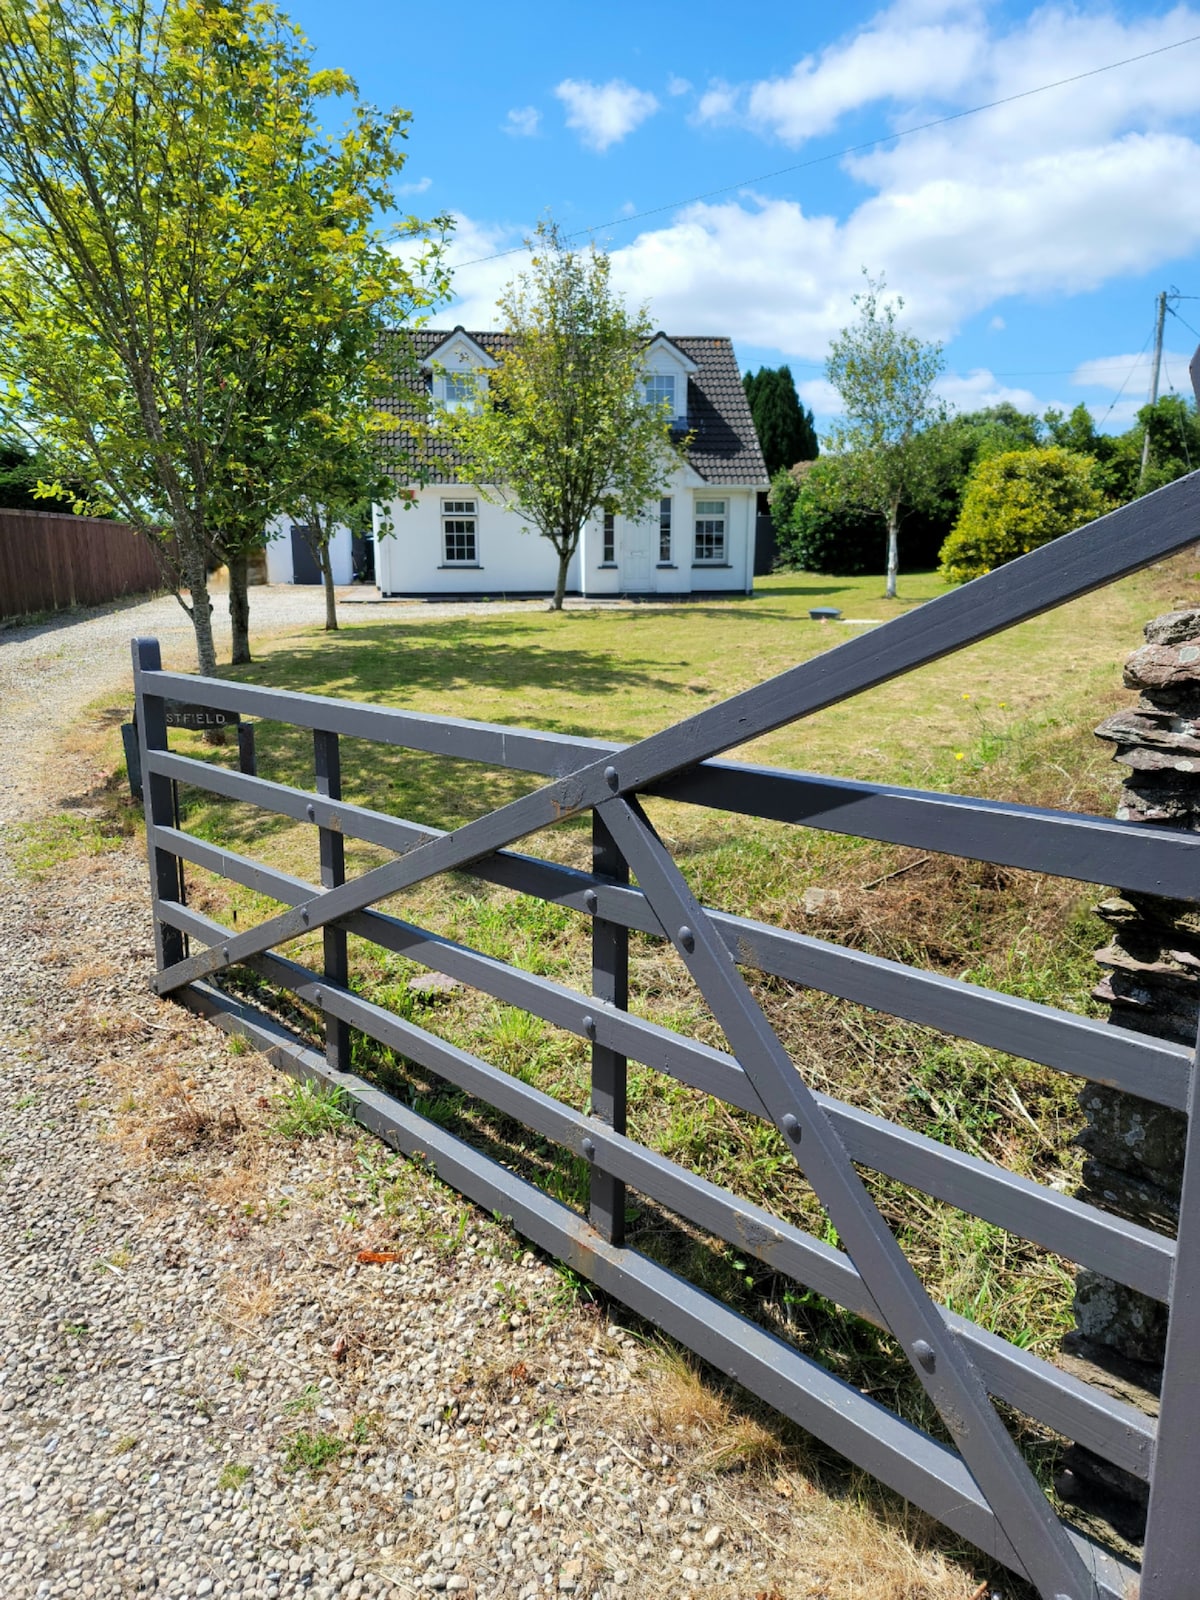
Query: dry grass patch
251	1298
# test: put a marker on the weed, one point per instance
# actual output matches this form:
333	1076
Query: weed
239	1045
307	1400
124	1445
26	1100
305	1111
76	1330
233	1475
239	1372
312	1451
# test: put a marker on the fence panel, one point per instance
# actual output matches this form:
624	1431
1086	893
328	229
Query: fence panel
49	561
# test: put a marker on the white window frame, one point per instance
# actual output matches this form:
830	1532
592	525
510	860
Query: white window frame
666	532
660	386
454	513
608	538
711	526
460	391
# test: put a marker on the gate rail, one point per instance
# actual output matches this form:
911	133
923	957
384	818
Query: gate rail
982	1489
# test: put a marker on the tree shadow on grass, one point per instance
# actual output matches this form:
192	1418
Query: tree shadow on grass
384	660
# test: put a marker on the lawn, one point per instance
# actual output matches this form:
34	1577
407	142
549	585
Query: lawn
1010	718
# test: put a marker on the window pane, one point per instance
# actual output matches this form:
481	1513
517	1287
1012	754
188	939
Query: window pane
710	508
609	550
664	529
660	386
459	538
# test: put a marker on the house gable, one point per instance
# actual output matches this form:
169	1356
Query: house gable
667	369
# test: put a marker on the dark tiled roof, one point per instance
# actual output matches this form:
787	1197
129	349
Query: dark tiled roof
724	448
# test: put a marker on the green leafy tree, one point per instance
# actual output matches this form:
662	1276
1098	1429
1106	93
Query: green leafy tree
562	426
180	244
785	428
1015	502
1174	428
885	378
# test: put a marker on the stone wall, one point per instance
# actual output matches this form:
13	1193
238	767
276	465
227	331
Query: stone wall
1134	1149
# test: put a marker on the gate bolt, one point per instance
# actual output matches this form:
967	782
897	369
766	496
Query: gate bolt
591	900
791	1128
589	1150
589	1027
923	1351
687	939
311	812
611	779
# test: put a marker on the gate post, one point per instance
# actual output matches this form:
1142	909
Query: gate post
166	869
610	984
328	764
1134	1150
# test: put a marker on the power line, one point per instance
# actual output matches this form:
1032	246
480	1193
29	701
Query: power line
849	150
1184	320
1128	375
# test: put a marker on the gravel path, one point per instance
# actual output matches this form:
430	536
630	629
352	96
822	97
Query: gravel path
204	1391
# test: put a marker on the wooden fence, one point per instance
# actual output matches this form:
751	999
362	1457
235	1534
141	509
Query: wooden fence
49	561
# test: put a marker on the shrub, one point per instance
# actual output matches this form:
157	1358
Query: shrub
1015	502
827	533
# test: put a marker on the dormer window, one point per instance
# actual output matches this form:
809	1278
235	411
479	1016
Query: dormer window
660	387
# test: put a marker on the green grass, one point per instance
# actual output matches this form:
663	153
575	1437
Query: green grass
41	848
305	1111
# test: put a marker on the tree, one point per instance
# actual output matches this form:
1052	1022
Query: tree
179	246
884	377
785	428
1015	502
562	426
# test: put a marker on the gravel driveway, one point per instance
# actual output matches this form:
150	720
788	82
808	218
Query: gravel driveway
204	1391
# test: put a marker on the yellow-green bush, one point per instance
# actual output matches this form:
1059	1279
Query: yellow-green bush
1015	502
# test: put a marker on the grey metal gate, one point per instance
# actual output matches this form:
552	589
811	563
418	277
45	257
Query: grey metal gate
982	1489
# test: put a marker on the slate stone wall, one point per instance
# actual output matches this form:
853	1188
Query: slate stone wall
1151	965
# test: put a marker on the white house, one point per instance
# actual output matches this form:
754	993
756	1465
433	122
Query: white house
698	538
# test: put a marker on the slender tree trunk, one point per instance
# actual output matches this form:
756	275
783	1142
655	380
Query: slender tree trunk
560	587
893	553
239	604
326	559
195	576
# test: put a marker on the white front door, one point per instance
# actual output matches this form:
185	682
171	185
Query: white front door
635	563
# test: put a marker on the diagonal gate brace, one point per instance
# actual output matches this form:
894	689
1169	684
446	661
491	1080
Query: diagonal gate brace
938	1358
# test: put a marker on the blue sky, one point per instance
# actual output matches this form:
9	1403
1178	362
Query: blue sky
1031	239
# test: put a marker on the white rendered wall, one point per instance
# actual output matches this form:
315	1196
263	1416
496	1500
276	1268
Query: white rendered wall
279	552
513	559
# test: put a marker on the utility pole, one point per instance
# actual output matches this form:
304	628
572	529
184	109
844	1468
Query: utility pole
1154	371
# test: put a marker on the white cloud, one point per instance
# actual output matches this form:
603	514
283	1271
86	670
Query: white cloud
718	103
1130	372
522	122
997	325
979	388
892	59
417	186
677	85
604	113
926	60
